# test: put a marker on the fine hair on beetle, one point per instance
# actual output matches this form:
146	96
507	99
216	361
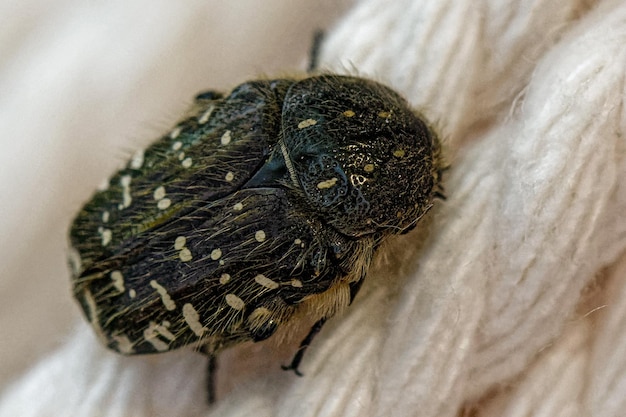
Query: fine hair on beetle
259	211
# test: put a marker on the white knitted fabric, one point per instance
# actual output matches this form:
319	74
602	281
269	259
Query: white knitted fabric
510	300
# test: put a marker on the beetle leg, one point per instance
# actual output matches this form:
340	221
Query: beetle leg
318	37
297	358
210	376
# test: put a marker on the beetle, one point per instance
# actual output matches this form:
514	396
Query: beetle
260	206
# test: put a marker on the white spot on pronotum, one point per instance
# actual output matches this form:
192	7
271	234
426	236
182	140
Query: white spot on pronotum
238	207
180	242
187	162
206	115
259	236
126	197
349	113
132	293
185	255
229	176
216	254
297	241
153	331
235	302
164	204
159	193
124	345
105	216
192	318
175	133
226	138
368	168
177	145
398	153
165	297
221	262
327	183
264	281
224	279
137	160
307	123
118	280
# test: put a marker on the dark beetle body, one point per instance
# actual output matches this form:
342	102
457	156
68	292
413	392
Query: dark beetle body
259	207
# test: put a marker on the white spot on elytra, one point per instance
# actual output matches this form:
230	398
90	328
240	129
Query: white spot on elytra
132	293
180	242
104	185
187	162
118	280
124	345
192	318
216	254
153	331
327	183
205	116
235	302
159	193
105	216
164	204
137	161
238	207
307	123
164	331
229	176
165	297
297	242
175	133
226	138
296	283
177	145
181	156
260	314
185	255
151	336
264	281
224	279
76	263
259	236
107	235
126	197
92	313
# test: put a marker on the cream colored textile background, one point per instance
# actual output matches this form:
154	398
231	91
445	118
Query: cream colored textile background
510	302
